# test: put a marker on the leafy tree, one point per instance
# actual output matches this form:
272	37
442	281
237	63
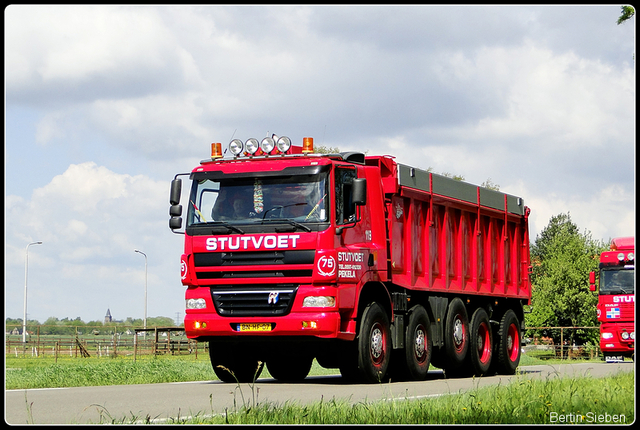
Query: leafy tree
561	258
627	13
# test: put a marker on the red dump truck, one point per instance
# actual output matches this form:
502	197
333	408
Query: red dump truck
365	264
616	299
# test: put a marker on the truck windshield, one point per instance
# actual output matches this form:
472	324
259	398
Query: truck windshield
293	199
619	281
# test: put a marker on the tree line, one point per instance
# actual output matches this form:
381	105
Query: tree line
66	326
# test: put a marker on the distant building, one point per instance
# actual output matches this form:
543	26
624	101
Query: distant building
108	318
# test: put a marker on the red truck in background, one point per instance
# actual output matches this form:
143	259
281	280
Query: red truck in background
616	299
367	265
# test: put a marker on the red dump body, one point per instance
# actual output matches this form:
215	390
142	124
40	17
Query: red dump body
347	231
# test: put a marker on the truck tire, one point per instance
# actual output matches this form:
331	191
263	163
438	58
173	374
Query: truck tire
418	347
233	367
374	343
508	348
480	342
290	370
456	334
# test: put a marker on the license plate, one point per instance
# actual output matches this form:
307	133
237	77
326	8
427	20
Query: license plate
254	327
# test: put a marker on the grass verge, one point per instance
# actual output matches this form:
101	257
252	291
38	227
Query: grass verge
45	372
583	400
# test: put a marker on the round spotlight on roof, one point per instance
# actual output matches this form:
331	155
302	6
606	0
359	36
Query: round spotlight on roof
251	146
267	145
283	144
236	147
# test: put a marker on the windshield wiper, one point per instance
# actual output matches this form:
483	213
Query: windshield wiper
288	221
229	226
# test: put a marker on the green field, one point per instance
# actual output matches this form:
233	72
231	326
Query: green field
523	401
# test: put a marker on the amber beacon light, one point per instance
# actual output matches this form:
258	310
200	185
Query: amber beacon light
307	145
216	150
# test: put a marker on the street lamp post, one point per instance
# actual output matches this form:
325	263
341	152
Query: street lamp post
26	271
145	286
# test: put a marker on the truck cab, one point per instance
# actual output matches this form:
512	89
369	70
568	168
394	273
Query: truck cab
616	299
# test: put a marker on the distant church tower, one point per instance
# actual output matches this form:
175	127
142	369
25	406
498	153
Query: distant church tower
107	317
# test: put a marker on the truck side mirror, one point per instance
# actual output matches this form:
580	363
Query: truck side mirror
176	190
359	191
592	281
175	211
175	223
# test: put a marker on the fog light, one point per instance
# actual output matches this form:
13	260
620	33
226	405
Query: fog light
319	302
199	324
196	304
609	345
310	324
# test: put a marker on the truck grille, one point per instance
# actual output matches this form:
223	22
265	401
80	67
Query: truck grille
234	265
253	300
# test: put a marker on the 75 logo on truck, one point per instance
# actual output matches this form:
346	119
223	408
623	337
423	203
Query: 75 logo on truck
326	266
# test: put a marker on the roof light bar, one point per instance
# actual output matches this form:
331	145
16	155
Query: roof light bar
267	146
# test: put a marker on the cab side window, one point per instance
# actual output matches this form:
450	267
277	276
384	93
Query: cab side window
345	209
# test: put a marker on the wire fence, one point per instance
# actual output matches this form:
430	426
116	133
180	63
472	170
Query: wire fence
115	341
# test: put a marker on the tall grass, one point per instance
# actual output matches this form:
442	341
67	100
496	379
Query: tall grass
583	400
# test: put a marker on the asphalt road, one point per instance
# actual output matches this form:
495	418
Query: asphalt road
166	402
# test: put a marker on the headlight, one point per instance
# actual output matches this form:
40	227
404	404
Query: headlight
267	145
630	256
607	335
624	335
251	145
235	147
196	304
633	335
319	302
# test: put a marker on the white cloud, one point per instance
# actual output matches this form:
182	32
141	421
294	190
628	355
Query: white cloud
90	219
539	99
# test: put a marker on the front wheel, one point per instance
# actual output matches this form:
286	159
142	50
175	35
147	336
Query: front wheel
374	343
231	365
288	370
414	365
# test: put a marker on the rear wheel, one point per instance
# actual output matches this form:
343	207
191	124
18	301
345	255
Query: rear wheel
374	343
456	341
508	344
480	342
231	365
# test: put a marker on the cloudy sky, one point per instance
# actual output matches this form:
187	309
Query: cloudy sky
104	105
